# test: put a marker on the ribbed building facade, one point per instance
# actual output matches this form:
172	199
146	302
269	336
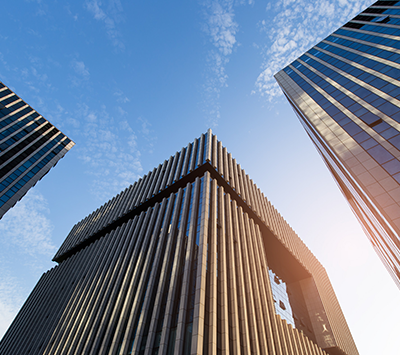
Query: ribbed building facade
346	93
29	147
190	259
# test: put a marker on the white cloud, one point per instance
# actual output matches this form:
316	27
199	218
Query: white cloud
82	73
94	7
147	133
26	236
107	146
145	126
10	301
292	27
42	8
68	9
80	68
121	98
27	227
221	28
121	111
109	20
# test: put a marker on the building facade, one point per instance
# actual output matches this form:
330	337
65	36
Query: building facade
346	93
190	259
29	147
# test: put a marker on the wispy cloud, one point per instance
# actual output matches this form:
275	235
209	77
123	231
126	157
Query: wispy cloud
292	27
80	68
221	28
113	16
148	134
121	97
69	12
80	73
42	8
27	227
25	235
10	300
107	146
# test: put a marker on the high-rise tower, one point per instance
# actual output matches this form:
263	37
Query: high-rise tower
190	259
29	147
346	93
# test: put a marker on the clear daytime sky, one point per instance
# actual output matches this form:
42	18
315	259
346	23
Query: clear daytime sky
132	82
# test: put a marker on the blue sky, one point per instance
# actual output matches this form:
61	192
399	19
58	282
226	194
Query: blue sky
133	82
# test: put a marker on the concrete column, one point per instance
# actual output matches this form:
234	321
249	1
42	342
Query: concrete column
281	334
99	294
293	340
208	146
187	159
80	298
234	327
199	160
248	277
270	300
140	276
146	187
221	168
214	153
180	330
242	301
142	186
166	174
192	165
128	268
131	282
160	178
200	295
237	171
232	177
150	193
212	283
287	337
95	325
129	198
177	261
261	270
111	302
148	277
223	305
173	169
255	266
179	166
135	195
226	167
166	257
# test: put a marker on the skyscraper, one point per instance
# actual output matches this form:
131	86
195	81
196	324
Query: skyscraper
29	147
346	93
190	259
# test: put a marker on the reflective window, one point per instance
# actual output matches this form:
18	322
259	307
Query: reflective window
281	298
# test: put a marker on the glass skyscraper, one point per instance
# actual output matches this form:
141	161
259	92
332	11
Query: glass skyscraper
190	259
346	93
29	147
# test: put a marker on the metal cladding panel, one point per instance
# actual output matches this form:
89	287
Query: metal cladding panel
184	271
